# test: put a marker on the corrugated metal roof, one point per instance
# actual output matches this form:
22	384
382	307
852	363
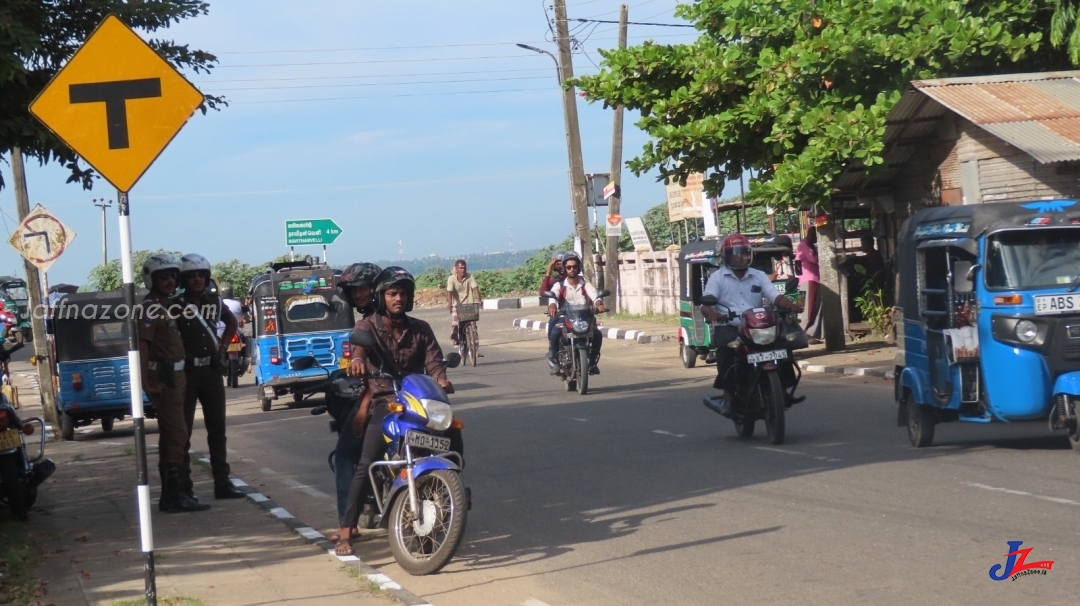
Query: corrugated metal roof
1036	139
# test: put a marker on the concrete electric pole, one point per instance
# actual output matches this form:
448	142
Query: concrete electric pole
611	253
102	203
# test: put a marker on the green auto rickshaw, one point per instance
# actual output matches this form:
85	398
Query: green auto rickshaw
17	301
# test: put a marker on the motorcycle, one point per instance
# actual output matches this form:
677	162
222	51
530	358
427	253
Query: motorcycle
20	475
763	352
9	327
577	324
236	360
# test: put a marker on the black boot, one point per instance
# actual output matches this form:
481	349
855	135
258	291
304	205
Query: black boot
179	501
226	490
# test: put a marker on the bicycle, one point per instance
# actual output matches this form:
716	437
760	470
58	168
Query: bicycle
468	336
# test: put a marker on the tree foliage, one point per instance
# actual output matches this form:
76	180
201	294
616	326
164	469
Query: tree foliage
233	272
798	89
1065	28
37	37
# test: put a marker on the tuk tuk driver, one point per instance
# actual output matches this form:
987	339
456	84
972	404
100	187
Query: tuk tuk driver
737	287
203	351
161	352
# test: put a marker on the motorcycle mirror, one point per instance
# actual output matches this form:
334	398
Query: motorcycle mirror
452	360
361	338
548	294
709	300
318	410
304	363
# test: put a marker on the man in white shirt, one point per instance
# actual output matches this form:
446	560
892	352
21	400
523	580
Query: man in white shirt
226	293
737	287
573	290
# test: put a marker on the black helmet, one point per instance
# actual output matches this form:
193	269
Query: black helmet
394	276
357	275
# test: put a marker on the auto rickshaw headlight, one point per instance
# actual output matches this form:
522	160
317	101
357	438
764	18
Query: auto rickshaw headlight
1026	331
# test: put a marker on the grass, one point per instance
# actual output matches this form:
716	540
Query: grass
18	559
373	587
649	317
164	601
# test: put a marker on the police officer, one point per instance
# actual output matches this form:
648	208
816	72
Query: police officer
202	366
161	352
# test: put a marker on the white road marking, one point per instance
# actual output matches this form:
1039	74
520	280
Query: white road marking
668	433
801	454
304	488
1023	493
577	419
268	471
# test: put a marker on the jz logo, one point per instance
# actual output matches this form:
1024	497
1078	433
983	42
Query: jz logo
1016	564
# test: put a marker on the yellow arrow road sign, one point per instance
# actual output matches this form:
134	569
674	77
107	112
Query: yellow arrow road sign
41	238
117	103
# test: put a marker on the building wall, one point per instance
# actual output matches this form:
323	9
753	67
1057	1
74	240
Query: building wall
649	282
998	172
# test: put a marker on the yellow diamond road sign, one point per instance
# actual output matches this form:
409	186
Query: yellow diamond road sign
41	238
117	103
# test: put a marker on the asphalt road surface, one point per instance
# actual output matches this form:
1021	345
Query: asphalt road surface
637	494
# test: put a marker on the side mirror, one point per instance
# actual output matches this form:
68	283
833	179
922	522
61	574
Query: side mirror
452	360
548	294
970	275
303	363
708	300
603	293
361	338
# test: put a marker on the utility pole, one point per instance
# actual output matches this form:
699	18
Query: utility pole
611	254
33	284
573	140
102	203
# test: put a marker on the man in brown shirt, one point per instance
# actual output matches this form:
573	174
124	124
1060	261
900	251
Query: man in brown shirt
161	352
403	346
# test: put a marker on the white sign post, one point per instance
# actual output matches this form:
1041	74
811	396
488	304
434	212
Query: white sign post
639	234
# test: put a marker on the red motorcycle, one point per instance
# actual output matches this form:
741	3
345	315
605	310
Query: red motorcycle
9	325
763	360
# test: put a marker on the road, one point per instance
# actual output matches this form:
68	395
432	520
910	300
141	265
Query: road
637	494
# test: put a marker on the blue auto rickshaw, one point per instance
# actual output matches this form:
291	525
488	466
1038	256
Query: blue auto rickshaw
990	307
89	354
297	311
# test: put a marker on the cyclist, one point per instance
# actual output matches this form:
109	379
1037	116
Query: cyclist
461	289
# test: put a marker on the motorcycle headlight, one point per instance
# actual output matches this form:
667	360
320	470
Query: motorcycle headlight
439	415
763	336
579	325
1026	331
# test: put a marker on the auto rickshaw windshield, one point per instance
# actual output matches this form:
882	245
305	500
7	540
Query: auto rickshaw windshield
1040	258
19	294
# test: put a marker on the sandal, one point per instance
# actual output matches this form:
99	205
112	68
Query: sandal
344	548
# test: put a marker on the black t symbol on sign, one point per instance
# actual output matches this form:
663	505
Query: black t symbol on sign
114	95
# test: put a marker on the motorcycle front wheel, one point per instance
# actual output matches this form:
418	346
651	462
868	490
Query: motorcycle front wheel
583	374
11	483
424	547
772	404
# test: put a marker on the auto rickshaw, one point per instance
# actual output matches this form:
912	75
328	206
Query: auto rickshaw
297	311
990	328
697	261
89	357
17	301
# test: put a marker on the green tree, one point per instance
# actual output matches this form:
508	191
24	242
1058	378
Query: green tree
1065	28
236	274
37	37
798	89
109	277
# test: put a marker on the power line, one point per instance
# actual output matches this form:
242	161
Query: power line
428	94
216	90
634	23
484	71
426	59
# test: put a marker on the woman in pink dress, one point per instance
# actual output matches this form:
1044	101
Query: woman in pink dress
810	285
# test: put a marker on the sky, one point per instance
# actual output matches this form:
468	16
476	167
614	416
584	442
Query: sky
414	121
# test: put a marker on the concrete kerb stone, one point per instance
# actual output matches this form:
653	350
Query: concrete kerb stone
847	370
316	538
609	333
519	303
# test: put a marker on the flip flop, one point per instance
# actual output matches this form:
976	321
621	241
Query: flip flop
344	548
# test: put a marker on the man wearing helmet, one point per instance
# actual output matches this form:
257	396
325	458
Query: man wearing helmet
574	290
356	284
161	353
737	287
203	350
403	345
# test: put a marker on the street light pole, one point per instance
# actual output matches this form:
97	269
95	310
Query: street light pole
578	196
102	203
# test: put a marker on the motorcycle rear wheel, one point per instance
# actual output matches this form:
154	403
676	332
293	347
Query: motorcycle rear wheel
107	423
772	403
14	489
234	373
442	495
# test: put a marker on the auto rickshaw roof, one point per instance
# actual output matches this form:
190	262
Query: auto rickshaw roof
101	297
698	252
973	220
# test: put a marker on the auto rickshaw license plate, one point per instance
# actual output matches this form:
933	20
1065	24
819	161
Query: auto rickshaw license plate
426	440
10	439
767	356
343	363
235	347
1057	304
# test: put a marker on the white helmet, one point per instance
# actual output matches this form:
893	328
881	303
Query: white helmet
156	263
193	262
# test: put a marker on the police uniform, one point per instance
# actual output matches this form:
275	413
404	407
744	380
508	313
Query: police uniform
205	383
166	362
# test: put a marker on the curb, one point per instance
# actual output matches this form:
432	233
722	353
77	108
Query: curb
519	303
857	371
316	538
609	333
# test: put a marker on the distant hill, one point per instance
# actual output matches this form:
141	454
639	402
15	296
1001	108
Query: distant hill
477	262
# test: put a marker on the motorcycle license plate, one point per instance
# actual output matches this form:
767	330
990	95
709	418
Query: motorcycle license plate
10	439
428	441
343	363
235	347
767	356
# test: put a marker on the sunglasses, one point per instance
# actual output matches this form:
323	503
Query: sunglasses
569	267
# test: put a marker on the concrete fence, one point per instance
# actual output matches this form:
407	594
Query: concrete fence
649	282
